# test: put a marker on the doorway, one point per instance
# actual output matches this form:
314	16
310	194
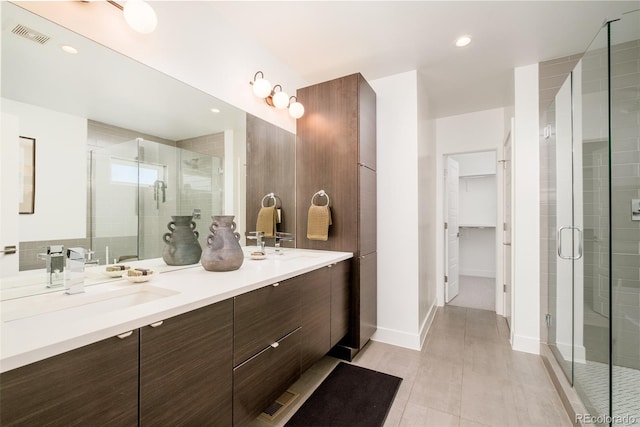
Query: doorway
470	212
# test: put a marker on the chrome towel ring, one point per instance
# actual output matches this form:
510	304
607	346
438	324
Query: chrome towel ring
270	196
320	193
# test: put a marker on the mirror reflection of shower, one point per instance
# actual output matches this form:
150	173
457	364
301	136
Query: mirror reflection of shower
139	184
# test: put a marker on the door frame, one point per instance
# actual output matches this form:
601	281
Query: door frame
499	304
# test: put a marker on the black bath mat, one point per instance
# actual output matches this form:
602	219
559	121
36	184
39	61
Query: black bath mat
350	396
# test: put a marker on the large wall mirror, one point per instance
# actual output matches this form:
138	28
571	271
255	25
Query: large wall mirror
121	147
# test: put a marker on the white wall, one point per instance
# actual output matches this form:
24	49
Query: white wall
526	223
61	172
427	226
399	226
9	188
215	58
478	131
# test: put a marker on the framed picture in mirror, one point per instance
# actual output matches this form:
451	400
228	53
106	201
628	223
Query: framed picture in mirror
27	179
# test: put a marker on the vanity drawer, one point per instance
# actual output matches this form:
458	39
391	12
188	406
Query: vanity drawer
260	380
263	316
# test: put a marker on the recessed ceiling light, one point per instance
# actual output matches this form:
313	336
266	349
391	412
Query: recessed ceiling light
69	49
215	110
463	41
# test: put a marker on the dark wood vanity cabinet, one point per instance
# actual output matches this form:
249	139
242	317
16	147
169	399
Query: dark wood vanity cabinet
340	300
267	325
315	304
263	316
92	385
218	365
185	368
260	380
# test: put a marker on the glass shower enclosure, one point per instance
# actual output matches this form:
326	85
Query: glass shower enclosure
136	187
591	180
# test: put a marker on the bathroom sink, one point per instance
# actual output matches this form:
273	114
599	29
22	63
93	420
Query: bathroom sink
52	308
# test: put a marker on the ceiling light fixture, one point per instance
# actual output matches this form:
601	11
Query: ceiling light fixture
69	49
463	41
139	15
276	97
215	110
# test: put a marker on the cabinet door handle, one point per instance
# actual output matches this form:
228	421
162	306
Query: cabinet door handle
275	284
275	345
156	324
125	335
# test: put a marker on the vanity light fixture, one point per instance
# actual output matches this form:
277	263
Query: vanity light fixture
463	41
261	86
296	109
139	15
276	97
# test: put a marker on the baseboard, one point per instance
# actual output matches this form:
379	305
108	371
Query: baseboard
567	350
477	273
526	344
404	339
427	322
395	337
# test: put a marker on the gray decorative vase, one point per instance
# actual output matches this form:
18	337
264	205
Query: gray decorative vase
223	252
181	244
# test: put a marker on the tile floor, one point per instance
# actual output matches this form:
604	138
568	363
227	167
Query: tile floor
476	292
466	375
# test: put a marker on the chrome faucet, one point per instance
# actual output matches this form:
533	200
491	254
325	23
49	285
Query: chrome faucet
74	274
54	257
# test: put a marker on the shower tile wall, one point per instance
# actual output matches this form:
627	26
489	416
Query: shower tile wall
625	186
202	179
625	167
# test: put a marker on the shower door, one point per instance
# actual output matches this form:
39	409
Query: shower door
578	162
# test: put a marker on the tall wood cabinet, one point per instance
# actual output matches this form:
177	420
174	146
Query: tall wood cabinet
336	152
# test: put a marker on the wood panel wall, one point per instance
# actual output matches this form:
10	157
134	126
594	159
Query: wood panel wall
271	168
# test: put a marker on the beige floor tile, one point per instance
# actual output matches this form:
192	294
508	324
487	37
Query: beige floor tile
421	416
538	407
435	394
468	423
487	400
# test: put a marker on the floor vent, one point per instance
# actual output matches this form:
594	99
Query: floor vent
30	34
276	408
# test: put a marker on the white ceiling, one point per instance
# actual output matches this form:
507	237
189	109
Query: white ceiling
328	39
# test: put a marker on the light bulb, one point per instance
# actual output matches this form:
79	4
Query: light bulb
140	16
296	110
261	88
280	100
463	41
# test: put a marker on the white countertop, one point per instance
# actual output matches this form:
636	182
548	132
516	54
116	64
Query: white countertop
40	326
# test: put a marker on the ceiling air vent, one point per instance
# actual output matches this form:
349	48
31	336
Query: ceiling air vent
30	34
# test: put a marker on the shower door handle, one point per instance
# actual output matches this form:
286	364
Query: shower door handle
559	242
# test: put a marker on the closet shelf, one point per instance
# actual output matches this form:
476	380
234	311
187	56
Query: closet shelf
476	226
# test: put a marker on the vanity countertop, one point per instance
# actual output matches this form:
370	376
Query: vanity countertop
40	326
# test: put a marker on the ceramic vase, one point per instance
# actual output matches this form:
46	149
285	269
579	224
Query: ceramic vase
181	243
223	251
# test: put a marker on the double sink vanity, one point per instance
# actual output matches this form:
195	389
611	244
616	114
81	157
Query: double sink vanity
188	347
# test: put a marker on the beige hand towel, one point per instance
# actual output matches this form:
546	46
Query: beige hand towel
267	219
318	222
